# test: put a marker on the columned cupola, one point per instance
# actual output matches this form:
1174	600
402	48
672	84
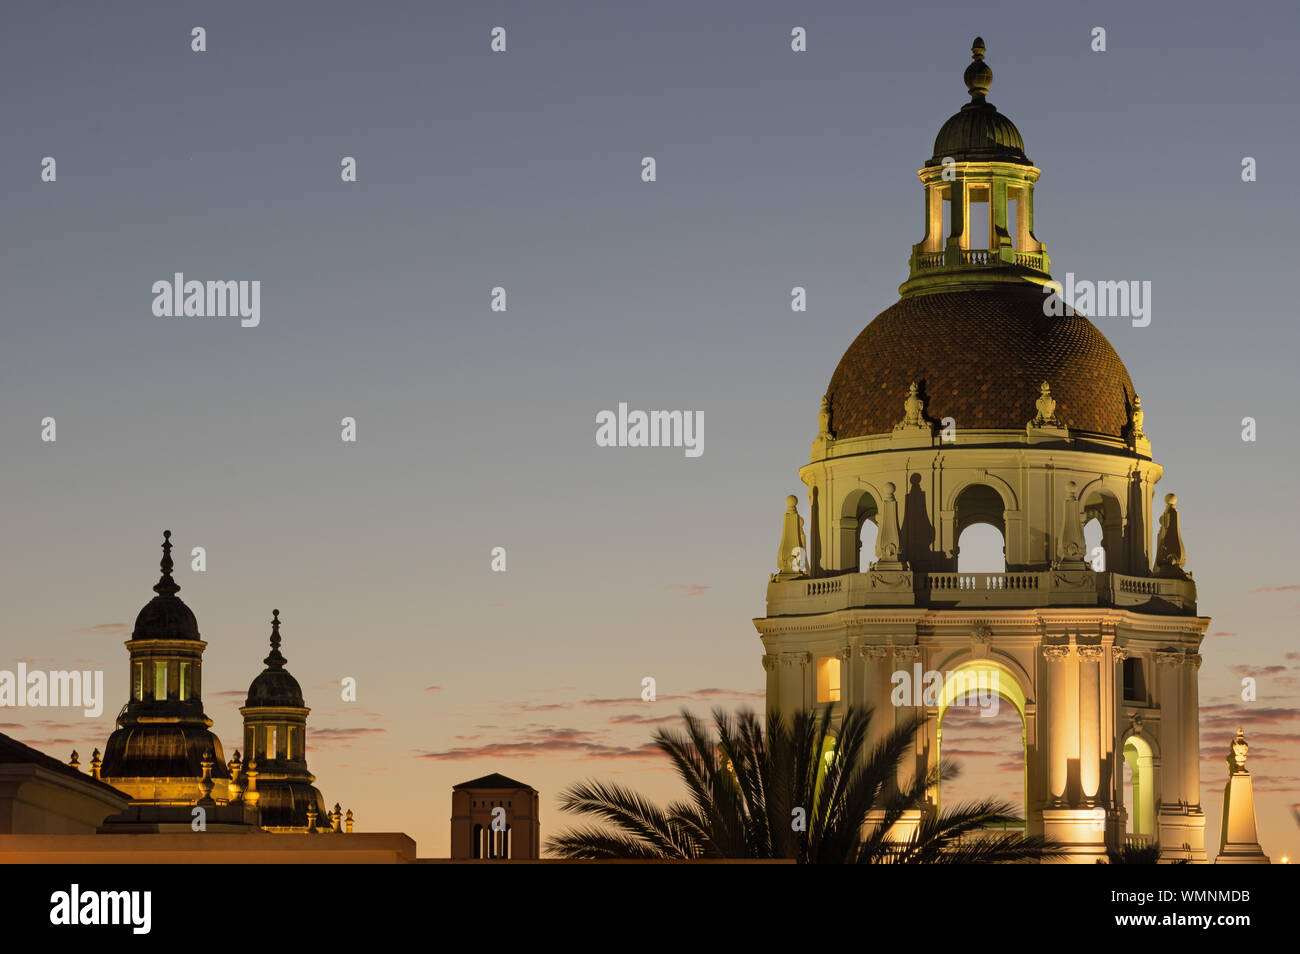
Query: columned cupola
163	736
275	738
979	200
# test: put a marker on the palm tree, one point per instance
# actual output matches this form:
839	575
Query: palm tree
796	792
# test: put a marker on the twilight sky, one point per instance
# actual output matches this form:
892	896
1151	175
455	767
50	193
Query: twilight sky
476	428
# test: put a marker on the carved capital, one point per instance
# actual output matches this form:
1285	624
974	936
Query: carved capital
1169	658
1193	660
907	652
1090	651
1119	653
1056	652
769	662
873	652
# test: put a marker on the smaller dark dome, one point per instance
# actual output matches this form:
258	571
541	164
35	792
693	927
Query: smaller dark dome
274	686
166	617
979	133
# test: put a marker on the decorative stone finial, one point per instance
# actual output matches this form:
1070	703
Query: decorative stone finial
887	542
311	818
824	418
235	766
978	77
275	660
1237	754
1170	555
347	822
95	763
206	783
1072	548
251	794
166	586
1136	417
1239	838
792	557
336	818
74	762
913	410
1046	406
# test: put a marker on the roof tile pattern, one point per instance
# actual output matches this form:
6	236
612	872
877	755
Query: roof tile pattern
979	357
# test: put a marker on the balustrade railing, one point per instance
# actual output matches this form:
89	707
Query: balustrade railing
927	261
822	587
983	582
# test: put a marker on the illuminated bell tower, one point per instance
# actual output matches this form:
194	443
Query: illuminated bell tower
275	737
157	753
971	402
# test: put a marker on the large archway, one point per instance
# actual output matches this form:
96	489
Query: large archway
972	687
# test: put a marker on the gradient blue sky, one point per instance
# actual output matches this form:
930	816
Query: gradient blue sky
476	429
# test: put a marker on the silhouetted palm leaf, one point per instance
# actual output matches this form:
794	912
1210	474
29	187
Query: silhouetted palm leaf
746	783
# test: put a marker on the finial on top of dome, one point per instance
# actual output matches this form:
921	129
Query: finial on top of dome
275	660
166	586
978	76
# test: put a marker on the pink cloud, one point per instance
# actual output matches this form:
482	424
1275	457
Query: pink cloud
689	589
106	629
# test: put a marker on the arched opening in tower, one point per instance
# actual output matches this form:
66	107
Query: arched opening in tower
980	549
1139	788
982	729
980	526
1103	531
862	508
1092	545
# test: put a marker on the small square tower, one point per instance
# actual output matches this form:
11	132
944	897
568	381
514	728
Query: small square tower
494	817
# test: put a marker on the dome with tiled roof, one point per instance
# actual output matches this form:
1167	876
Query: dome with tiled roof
971	330
980	357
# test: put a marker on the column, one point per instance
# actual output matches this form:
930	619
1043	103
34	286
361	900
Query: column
1090	723
1191	730
1059	720
771	666
874	691
1171	729
1117	656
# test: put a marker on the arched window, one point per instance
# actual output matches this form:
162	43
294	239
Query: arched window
1093	547
1103	529
980	550
980	529
865	514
